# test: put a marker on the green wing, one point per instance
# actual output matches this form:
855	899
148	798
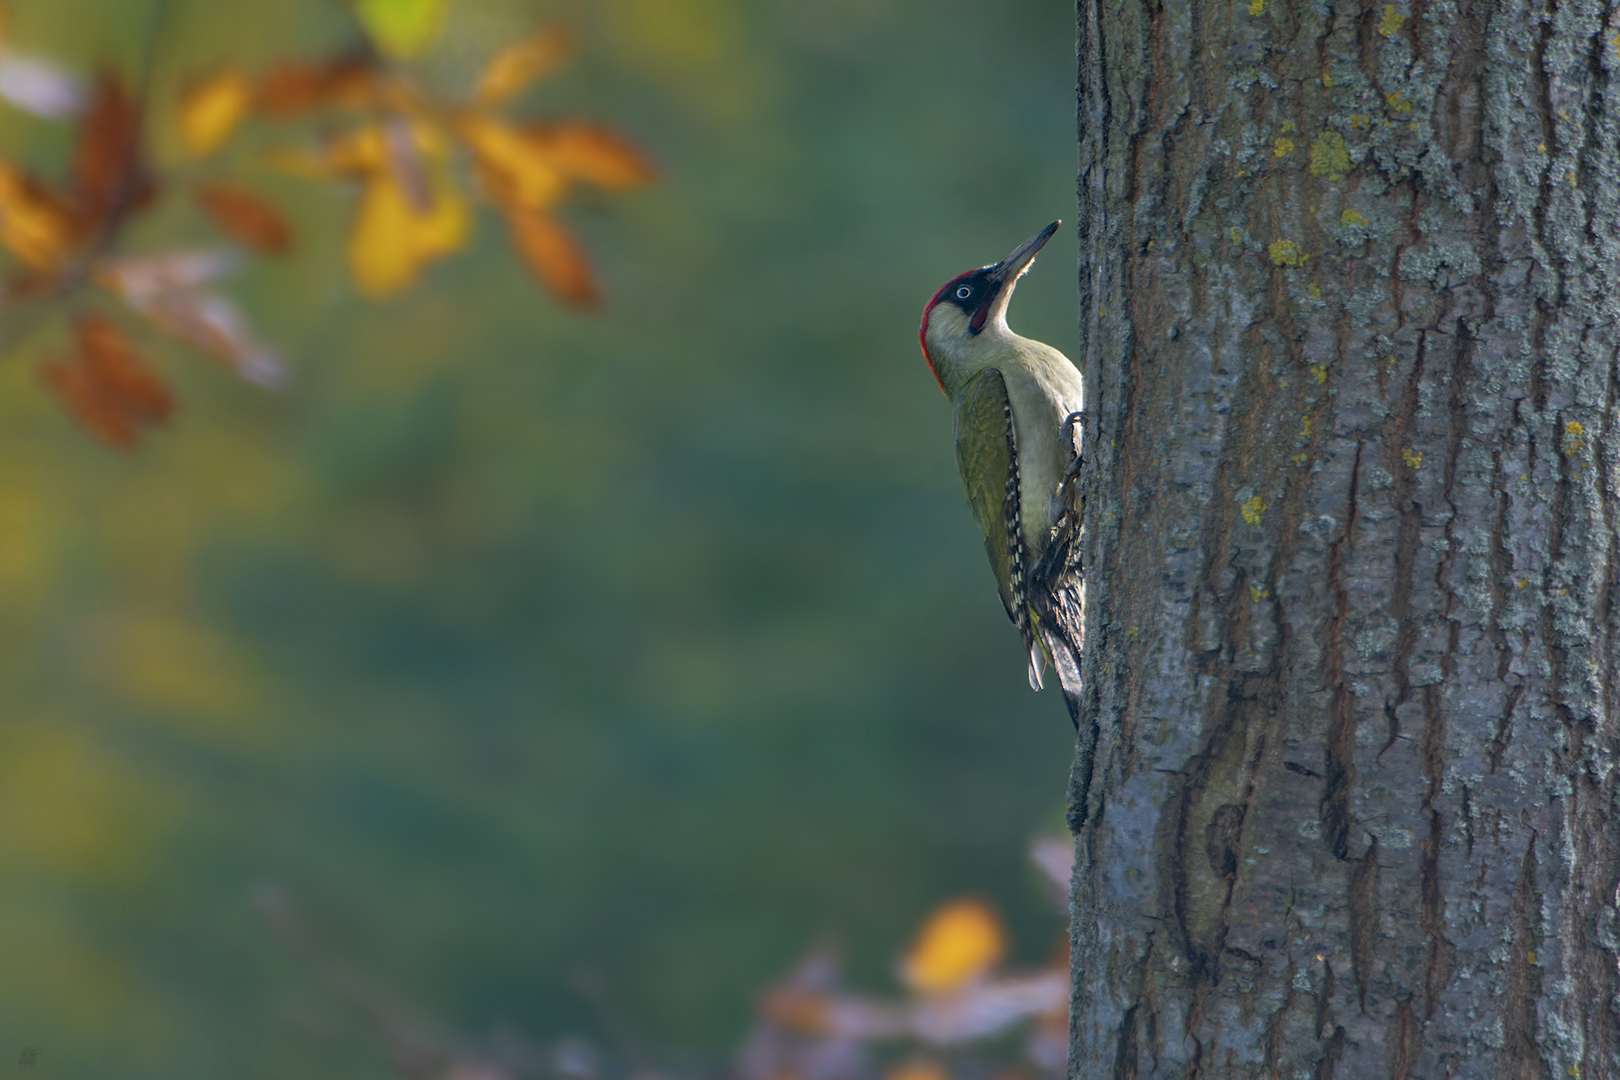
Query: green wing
986	455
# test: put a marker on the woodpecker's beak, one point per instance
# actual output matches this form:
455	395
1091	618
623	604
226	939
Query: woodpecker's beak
1013	266
1005	274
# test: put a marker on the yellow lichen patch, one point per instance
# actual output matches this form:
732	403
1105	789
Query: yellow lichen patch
1541	148
1574	438
1252	508
1412	458
1282	147
1258	593
1522	582
1256	6
1319	373
1315	292
1236	234
1359	120
1398	101
1300	459
1286	253
1305	426
1327	78
1329	157
1391	23
1570	176
1350	217
1288	126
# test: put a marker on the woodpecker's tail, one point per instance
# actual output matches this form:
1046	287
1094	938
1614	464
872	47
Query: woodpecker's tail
1037	664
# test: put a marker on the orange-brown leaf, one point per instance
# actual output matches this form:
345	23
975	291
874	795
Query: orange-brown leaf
34	225
246	217
554	256
592	153
292	88
519	64
106	386
959	941
211	108
109	178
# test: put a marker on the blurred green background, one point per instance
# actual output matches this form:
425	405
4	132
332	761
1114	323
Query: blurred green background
656	643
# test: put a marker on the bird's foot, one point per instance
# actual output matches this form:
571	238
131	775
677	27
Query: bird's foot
1076	446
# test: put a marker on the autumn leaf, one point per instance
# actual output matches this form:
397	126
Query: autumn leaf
40	87
516	171
592	153
553	255
391	239
246	217
105	385
917	1069
401	28
519	64
34	225
108	177
211	108
168	291
293	88
958	943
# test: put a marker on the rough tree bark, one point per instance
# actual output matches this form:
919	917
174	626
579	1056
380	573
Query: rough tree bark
1345	797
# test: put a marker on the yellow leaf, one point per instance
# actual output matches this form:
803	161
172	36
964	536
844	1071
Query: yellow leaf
401	28
518	171
917	1069
391	240
554	256
519	64
33	226
594	154
211	109
957	943
356	153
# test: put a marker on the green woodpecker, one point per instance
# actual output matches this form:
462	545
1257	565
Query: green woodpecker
1015	402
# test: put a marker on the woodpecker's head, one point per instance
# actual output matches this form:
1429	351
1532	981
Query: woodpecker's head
957	317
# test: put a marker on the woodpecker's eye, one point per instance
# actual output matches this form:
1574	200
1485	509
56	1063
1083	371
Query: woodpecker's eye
964	292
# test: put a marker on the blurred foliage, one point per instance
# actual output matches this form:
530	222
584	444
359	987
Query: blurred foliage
654	641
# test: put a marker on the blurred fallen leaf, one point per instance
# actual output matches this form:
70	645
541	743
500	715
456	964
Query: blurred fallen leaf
592	153
554	256
917	1069
519	64
391	240
105	385
959	942
166	290
109	177
40	87
246	217
211	108
516	171
401	28
295	87
35	225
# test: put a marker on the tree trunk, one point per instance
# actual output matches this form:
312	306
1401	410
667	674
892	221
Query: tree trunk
1345	797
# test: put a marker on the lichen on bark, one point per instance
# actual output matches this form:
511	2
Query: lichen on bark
1346	799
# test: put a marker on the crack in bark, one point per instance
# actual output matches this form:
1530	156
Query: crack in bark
1523	985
